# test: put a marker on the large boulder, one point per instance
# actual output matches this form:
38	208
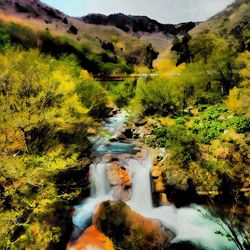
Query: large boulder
128	229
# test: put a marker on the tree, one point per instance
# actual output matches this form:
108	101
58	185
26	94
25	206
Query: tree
38	95
223	68
182	49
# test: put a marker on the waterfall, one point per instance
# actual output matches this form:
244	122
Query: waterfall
99	182
188	223
141	193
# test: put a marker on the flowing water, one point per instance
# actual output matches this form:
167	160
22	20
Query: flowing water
188	223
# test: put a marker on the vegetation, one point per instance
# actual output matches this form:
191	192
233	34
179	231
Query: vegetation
197	110
45	114
122	92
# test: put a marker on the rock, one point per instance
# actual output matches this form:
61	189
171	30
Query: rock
128	132
156	171
140	123
163	199
113	139
73	30
118	137
113	174
182	245
91	131
92	238
109	158
121	137
121	193
117	220
120	178
158	185
136	135
113	111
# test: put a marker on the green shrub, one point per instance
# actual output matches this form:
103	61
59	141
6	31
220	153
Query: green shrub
123	92
182	119
180	141
93	96
240	124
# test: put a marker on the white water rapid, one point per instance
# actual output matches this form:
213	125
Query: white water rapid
188	223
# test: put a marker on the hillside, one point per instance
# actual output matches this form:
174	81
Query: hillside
232	24
233	21
103	44
100	50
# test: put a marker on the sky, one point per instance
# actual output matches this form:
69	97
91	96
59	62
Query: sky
164	11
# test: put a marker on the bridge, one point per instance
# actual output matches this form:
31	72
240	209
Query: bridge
120	78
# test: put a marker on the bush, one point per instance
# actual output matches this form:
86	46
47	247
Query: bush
156	95
93	96
240	124
123	92
180	141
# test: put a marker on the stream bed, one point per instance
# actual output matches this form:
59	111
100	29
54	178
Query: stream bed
192	223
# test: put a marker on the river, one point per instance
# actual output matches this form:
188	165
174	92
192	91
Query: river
192	223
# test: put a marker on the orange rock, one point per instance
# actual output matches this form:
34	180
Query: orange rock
91	131
118	175
121	179
156	171
125	177
113	173
92	238
159	186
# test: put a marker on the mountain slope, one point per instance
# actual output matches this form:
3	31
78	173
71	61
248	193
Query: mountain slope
144	28
137	24
100	49
233	21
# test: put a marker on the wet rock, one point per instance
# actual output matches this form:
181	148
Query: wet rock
113	111
122	193
113	174
156	171
182	245
117	220
120	178
159	185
